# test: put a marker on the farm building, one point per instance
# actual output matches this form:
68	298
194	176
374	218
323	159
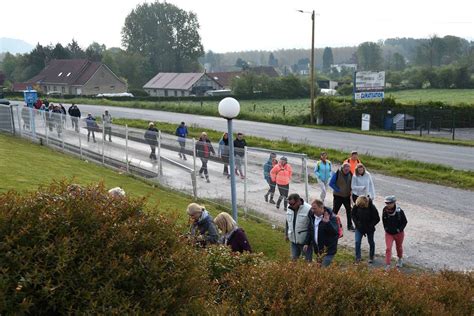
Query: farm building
170	84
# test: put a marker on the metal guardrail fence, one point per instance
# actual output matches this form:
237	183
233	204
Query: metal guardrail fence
127	149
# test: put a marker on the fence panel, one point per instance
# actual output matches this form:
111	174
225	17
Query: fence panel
6	119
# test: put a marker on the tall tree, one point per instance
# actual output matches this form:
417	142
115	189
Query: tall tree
328	59
95	51
398	62
75	51
167	35
272	61
59	52
369	56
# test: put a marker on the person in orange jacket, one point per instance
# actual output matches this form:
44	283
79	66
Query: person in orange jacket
281	174
353	161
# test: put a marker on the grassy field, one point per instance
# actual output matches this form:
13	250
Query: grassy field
449	96
408	169
26	167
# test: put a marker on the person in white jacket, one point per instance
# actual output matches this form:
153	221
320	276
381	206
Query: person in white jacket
362	183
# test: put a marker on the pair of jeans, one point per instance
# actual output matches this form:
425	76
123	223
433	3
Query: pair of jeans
204	166
358	241
182	146
338	202
327	260
238	164
297	251
389	239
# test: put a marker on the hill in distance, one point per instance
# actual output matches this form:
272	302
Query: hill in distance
14	46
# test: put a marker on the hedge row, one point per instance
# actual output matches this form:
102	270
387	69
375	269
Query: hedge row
340	112
75	250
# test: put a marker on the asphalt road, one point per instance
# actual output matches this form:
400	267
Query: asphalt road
458	157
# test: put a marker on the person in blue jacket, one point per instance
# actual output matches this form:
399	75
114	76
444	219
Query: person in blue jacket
323	172
267	168
182	133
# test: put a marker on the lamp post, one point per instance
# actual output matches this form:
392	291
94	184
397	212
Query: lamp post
229	108
312	67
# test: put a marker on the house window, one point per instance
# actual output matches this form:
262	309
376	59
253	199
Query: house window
96	88
166	93
63	90
45	88
68	74
59	75
182	93
175	93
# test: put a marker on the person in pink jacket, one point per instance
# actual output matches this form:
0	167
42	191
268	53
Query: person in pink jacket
281	174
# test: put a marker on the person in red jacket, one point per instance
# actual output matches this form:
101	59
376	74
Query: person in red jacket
281	174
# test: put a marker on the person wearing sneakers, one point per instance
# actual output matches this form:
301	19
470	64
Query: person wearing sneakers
223	153
182	133
281	175
267	168
353	161
340	183
366	217
203	151
322	171
239	148
394	223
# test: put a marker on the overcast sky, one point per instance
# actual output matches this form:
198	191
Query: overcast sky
236	25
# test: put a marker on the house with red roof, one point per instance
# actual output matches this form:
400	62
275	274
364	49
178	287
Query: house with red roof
77	77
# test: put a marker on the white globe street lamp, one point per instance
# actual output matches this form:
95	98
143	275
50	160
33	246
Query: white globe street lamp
229	109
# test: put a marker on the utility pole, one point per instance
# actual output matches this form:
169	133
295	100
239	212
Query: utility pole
312	71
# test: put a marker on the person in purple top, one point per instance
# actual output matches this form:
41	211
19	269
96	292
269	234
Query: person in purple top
233	236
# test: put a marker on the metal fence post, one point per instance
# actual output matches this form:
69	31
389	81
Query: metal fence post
80	145
103	143
12	120
126	148
306	180
32	123
194	180
160	167
63	129
194	183
245	179
194	155
19	120
453	122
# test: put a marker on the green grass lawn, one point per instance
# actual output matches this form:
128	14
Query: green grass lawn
449	96
26	167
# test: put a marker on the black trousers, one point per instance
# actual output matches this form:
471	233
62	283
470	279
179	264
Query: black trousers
153	152
346	201
182	146
204	166
272	186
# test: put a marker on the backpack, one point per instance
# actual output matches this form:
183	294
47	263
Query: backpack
340	232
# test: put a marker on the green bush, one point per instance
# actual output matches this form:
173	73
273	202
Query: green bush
72	250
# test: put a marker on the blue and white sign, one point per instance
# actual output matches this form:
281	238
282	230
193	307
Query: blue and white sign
369	95
30	97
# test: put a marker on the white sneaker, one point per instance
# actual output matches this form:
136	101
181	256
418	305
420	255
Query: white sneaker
400	263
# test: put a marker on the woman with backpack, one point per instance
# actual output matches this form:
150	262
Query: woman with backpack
394	223
366	217
322	171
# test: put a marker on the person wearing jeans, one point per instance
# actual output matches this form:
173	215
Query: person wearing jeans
340	183
366	217
281	175
323	232
204	150
296	228
394	223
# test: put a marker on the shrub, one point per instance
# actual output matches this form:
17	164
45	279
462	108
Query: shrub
302	289
73	250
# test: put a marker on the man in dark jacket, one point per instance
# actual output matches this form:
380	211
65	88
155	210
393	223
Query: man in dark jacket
341	185
75	115
151	137
203	151
322	232
239	147
267	168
